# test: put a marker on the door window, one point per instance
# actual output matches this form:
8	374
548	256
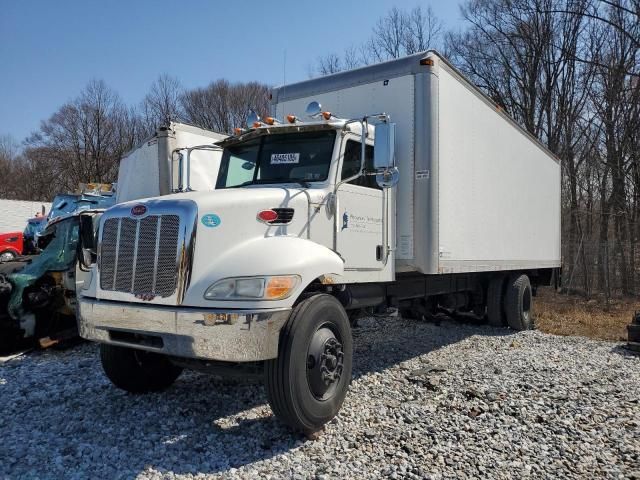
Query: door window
351	165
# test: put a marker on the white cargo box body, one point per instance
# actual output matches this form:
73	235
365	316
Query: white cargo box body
146	171
476	191
15	213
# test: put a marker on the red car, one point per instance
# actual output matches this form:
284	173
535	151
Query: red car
11	245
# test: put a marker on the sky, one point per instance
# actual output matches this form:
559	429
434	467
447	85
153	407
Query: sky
50	50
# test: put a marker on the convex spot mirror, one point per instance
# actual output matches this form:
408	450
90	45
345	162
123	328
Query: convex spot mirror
252	118
384	146
313	109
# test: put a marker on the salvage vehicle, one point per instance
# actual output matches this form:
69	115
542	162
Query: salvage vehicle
11	245
416	193
38	292
32	232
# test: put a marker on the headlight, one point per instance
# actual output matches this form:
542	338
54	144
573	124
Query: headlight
249	288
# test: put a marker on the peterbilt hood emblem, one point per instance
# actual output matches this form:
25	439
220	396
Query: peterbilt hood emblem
138	210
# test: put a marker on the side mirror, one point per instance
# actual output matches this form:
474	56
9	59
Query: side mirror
88	240
384	146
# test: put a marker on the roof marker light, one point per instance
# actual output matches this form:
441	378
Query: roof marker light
326	115
292	118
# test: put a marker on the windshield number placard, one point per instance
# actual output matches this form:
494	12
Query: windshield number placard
284	158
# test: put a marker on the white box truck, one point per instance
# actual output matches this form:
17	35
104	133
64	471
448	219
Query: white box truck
410	190
158	166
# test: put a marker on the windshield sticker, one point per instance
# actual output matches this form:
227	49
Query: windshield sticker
284	158
210	220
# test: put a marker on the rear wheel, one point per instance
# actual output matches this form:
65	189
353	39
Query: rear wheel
308	381
137	371
518	302
495	301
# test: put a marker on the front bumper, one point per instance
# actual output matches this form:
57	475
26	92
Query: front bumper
211	334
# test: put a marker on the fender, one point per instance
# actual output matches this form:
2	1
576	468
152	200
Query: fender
278	255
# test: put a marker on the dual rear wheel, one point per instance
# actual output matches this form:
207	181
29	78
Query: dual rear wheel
510	301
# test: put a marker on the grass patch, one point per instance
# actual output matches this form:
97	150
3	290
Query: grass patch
563	314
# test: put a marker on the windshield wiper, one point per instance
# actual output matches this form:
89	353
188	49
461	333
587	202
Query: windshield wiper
268	181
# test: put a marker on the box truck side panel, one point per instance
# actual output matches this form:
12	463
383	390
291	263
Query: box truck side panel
138	175
499	191
204	164
394	96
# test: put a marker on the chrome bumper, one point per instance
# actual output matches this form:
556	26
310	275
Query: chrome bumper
212	334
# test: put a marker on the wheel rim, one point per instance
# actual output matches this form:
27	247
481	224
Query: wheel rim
6	256
526	304
325	358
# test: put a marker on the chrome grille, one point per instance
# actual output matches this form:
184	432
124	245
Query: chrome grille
140	256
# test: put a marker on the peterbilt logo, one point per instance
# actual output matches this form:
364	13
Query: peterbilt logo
138	210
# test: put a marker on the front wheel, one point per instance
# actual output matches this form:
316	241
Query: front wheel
7	256
137	371
308	381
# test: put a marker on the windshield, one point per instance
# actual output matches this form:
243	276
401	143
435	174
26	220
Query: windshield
280	158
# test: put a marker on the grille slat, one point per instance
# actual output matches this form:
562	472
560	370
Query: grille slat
140	256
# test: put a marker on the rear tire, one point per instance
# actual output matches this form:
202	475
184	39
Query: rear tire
495	302
308	381
518	302
137	371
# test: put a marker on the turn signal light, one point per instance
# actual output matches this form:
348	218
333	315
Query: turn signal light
292	118
326	115
279	287
267	216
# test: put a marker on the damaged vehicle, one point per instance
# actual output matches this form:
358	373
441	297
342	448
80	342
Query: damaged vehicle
38	292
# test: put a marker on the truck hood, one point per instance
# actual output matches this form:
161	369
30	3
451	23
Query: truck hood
229	238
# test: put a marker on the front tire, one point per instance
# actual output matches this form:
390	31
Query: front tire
137	371
518	302
7	256
308	381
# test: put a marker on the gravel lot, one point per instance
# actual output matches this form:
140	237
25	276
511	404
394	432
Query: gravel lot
427	401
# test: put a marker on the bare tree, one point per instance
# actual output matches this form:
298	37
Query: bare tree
396	34
84	139
161	105
223	106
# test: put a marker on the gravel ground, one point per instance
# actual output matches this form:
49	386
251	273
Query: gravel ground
427	401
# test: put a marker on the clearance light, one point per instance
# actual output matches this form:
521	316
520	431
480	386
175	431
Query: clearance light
427	62
267	216
257	124
292	118
280	287
238	131
271	121
326	115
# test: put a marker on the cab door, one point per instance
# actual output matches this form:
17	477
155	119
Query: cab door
360	210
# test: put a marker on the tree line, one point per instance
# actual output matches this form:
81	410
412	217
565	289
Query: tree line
567	70
86	137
